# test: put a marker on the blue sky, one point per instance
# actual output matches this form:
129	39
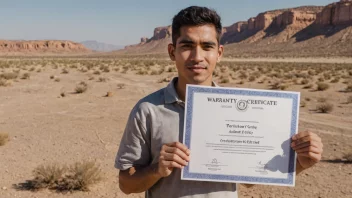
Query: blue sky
113	21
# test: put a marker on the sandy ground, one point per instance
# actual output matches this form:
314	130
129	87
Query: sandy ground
45	128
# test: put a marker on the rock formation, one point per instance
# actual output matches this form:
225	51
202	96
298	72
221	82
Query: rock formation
162	32
41	46
339	13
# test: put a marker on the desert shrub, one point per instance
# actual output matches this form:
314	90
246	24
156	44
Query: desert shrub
81	87
307	99
81	176
348	88
327	76
171	69
303	104
308	86
304	81
3	82
46	176
251	78
77	177
243	75
9	76
57	79
121	85
324	107
65	71
39	70
102	79
4	137
347	157
224	79
142	72
216	73
322	86
25	76
154	72
52	77
97	72
335	80
311	72
279	85
349	99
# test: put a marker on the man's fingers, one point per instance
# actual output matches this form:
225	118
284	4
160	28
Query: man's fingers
315	157
170	164
307	144
310	149
175	158
180	146
303	134
178	152
302	140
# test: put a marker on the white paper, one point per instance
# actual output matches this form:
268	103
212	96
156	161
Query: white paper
240	135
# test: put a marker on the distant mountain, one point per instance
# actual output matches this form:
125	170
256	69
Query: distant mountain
101	47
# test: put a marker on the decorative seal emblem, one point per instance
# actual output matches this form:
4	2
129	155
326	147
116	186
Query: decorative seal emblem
242	105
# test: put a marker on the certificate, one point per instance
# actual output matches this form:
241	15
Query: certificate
240	135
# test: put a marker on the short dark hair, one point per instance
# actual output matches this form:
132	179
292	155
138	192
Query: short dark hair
195	16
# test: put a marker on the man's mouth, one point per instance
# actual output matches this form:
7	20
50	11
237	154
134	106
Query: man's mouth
196	67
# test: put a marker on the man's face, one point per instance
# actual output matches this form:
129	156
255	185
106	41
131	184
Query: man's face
196	53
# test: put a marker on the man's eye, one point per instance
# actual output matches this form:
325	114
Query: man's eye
186	46
208	47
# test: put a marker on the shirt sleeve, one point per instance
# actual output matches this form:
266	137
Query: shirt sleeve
134	149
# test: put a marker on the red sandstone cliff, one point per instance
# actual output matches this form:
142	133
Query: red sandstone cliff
339	13
41	46
302	27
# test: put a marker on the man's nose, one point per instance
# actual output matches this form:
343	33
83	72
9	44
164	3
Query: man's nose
197	54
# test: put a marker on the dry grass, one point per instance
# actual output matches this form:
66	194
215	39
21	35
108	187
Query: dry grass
4	138
322	86
349	99
347	157
81	87
57	79
9	76
121	85
302	104
77	177
102	79
25	76
325	107
81	176
348	88
4	83
65	71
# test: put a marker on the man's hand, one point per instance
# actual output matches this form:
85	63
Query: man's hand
173	155
309	148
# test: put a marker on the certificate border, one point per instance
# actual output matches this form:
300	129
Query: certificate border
191	89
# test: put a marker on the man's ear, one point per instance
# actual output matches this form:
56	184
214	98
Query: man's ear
171	50
220	52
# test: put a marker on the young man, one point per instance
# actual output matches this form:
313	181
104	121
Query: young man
150	157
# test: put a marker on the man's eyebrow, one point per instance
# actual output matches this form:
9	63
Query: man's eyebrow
186	41
208	43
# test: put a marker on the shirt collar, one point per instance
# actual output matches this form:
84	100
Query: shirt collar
171	94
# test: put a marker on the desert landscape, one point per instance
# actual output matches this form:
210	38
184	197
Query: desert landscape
63	106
